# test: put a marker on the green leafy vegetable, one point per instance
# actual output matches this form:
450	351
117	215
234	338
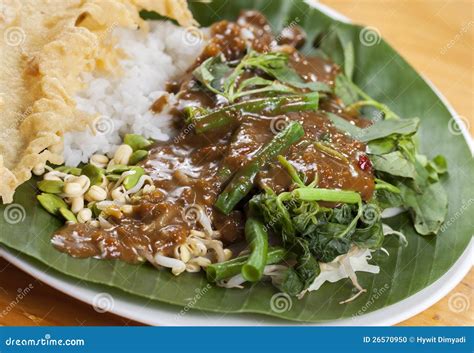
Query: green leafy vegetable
394	163
222	79
212	74
289	282
428	207
380	129
355	98
436	167
344	90
398	166
315	232
385	128
276	65
344	125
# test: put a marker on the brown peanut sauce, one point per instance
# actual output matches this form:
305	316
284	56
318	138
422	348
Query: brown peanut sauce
185	169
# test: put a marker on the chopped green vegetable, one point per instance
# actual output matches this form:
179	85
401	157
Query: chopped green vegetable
113	177
138	156
257	238
222	270
118	169
67	215
69	170
383	185
95	210
51	186
95	174
329	195
243	180
137	142
131	180
267	106
51	203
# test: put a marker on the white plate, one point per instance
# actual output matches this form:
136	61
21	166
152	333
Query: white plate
155	313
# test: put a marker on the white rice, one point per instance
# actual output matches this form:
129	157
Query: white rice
122	104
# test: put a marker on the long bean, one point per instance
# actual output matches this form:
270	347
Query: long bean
227	269
329	195
257	238
265	106
226	170
242	182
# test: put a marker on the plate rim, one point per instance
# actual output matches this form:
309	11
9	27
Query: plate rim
168	315
386	316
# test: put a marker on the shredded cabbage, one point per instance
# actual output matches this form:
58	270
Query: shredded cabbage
344	266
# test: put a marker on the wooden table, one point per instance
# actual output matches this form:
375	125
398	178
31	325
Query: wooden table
436	37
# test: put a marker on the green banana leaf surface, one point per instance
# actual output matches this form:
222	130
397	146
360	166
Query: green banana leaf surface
388	78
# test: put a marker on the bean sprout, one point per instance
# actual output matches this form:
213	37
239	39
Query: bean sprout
177	266
143	179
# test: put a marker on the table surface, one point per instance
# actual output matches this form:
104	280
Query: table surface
436	37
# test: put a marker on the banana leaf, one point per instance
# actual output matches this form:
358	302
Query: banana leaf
387	77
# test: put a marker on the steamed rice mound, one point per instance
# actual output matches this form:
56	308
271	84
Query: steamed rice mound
45	48
122	104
